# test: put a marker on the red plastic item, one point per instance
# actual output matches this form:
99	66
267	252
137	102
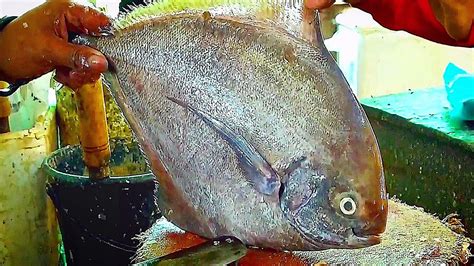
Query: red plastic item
413	16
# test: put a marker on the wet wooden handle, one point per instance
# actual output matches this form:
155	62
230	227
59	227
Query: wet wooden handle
5	111
93	130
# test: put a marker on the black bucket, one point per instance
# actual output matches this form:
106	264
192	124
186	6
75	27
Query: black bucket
99	220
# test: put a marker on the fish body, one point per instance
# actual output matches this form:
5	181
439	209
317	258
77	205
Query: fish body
251	131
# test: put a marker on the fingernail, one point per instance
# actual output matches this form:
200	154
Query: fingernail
94	60
106	31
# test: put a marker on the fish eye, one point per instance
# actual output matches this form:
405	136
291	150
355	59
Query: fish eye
347	206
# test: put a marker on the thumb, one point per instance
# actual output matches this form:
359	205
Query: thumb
76	64
77	57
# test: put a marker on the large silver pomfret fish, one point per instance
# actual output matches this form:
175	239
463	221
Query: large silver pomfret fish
251	131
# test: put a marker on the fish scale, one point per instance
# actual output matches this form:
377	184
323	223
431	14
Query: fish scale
251	131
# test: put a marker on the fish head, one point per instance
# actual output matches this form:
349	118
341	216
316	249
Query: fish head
335	208
335	195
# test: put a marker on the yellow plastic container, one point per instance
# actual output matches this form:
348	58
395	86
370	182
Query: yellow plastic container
28	229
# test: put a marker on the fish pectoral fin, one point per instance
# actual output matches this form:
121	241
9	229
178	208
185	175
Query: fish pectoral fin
258	171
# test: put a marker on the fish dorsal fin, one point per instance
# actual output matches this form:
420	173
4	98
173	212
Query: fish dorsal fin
257	170
287	14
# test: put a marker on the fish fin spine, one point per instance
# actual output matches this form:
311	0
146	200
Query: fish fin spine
256	168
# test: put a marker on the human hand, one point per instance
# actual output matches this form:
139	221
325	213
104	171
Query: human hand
322	4
37	42
318	4
456	16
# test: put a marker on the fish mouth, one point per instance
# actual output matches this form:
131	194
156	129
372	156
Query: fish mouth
351	240
358	240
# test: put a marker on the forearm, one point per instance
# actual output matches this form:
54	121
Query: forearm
415	17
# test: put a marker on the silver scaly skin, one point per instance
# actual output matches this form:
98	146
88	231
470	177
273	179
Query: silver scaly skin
251	131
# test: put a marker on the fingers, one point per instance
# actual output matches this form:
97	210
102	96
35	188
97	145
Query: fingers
75	79
42	37
455	16
85	20
437	9
319	4
76	57
77	64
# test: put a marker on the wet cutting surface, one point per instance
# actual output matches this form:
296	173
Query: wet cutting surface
412	236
